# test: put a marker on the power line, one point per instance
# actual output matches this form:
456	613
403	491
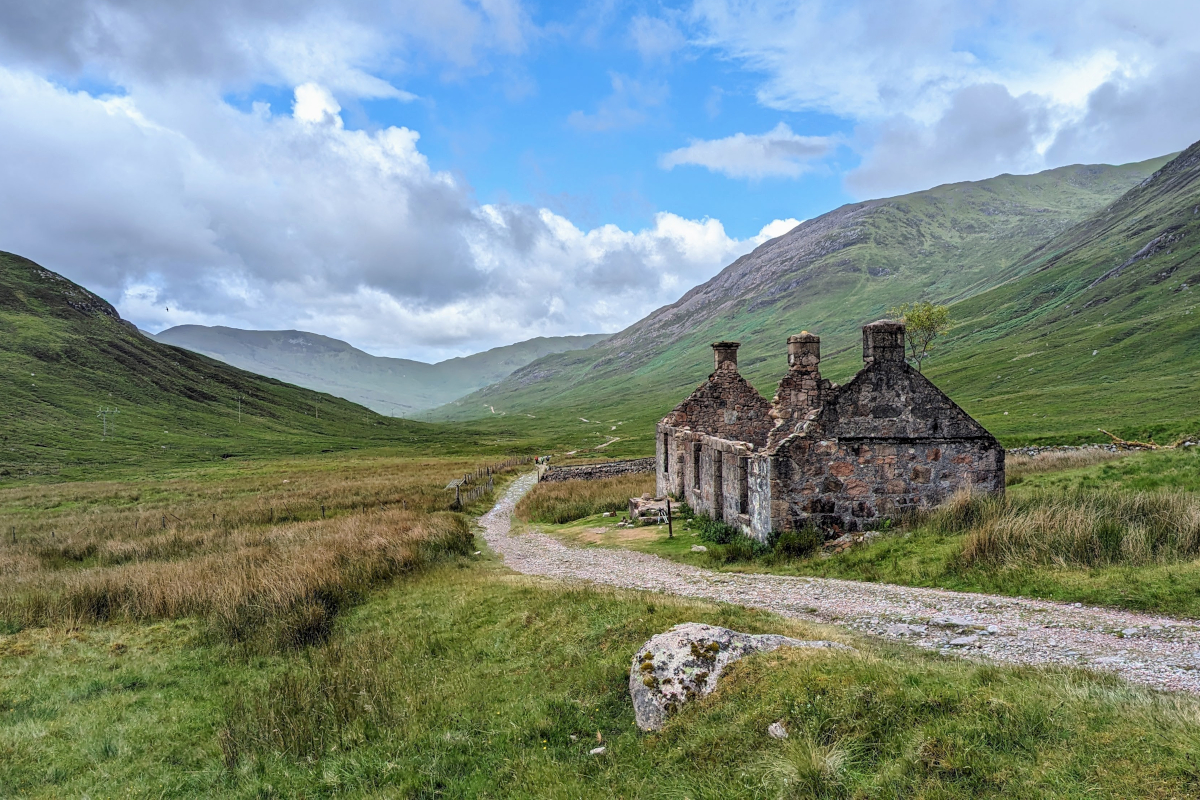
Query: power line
103	415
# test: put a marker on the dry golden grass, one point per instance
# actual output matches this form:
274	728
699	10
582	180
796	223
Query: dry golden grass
249	550
291	578
557	503
1017	466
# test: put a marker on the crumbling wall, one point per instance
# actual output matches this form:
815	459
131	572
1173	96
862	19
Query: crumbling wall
885	443
725	406
591	472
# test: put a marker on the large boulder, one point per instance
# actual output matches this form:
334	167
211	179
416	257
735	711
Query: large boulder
686	662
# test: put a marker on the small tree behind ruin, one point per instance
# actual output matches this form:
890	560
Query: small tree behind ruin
924	322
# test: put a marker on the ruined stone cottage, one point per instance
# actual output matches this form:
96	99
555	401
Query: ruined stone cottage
844	458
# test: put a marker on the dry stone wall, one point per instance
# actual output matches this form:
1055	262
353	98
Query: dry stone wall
591	472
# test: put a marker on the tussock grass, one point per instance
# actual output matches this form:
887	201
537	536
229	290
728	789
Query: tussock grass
341	696
253	554
1082	528
556	503
289	580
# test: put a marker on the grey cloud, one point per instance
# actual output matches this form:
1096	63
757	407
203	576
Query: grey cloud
1134	119
342	43
984	132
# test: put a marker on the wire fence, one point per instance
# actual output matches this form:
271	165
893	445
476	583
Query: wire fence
474	485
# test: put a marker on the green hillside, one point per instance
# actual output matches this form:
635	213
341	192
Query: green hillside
1103	330
390	386
65	354
829	275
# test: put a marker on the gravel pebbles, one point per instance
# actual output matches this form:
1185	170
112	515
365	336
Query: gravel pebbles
1155	651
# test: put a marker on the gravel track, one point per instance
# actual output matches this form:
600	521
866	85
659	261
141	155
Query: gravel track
1160	652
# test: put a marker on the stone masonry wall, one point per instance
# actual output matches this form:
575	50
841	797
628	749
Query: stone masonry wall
852	485
591	472
725	406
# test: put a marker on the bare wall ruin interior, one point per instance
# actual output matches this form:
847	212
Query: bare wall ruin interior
843	458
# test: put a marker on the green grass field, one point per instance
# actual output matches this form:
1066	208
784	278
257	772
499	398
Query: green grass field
466	681
429	671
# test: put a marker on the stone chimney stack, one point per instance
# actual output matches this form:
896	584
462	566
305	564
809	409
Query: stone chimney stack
725	354
804	352
802	389
883	341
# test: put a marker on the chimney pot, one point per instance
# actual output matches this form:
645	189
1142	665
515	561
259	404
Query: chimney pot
804	352
883	341
725	355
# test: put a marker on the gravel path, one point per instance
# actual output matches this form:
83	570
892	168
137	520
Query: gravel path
1157	651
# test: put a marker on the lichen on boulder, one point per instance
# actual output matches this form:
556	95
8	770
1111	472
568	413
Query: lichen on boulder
685	663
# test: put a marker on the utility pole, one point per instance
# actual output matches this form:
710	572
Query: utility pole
103	415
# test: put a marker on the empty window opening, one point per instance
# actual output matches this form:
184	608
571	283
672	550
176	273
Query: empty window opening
666	462
696	466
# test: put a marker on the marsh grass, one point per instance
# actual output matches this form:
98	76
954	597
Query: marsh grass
288	581
556	503
254	555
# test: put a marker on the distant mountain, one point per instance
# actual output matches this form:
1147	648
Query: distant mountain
66	355
390	386
828	275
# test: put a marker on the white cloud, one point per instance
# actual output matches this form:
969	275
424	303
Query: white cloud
252	219
778	152
1070	81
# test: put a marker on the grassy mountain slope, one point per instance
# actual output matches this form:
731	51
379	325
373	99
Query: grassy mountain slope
65	353
828	275
1102	330
391	386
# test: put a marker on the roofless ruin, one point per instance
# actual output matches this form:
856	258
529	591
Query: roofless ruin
844	458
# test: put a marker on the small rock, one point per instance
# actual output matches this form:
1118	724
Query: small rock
952	622
1129	632
478	552
574	737
608	513
776	730
597	751
964	641
685	663
1079	605
903	629
699	548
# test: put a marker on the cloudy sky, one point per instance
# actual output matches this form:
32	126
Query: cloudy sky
428	178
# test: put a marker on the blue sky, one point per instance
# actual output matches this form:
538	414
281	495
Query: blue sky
428	178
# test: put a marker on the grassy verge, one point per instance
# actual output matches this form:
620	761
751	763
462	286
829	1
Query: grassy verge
469	681
572	500
1122	532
